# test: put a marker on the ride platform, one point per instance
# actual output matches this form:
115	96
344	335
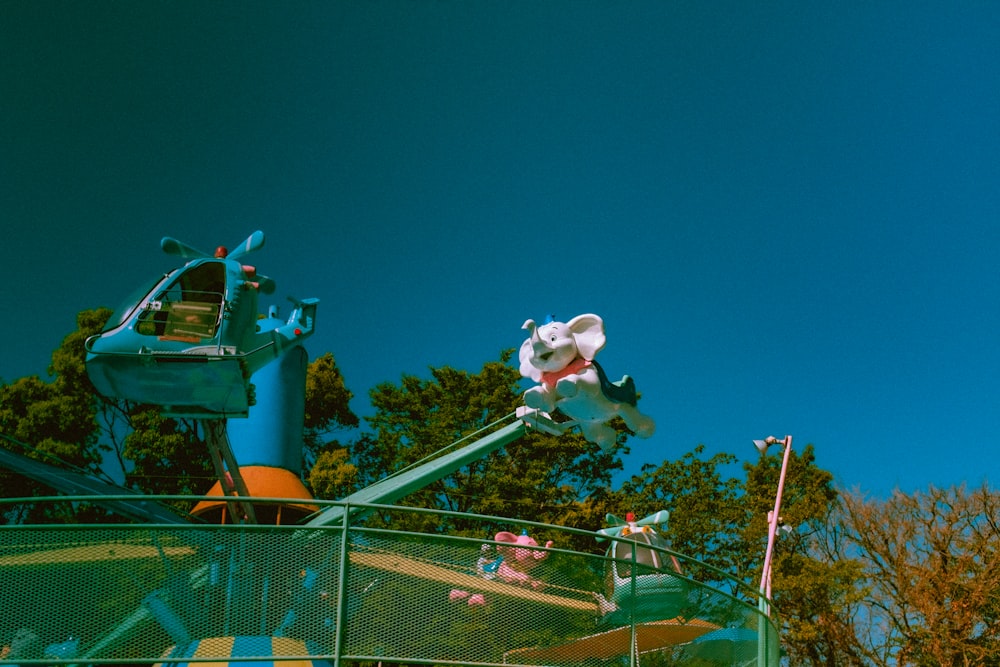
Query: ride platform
371	587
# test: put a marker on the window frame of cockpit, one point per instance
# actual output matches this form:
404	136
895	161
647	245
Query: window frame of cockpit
157	304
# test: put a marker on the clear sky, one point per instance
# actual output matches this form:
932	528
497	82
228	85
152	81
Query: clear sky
787	213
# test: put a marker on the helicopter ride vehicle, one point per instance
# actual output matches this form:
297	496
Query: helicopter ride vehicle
658	587
190	342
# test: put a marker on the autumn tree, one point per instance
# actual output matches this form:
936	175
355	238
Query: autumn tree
932	568
822	590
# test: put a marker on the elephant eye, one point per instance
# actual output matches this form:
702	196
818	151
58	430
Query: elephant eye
553	338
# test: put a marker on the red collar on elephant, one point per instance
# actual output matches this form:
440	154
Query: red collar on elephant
575	366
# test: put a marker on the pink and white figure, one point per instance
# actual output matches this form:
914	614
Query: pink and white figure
519	559
486	567
511	562
560	357
471	599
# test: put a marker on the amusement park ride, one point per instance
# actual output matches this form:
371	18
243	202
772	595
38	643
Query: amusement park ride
192	344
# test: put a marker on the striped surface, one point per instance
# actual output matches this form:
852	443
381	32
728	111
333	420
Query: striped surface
616	643
92	553
270	650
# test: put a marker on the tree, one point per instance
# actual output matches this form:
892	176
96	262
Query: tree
327	407
933	573
810	589
822	591
67	424
57	418
169	456
333	475
537	477
166	456
722	521
705	509
330	473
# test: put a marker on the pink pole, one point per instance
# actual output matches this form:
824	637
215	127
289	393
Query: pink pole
772	527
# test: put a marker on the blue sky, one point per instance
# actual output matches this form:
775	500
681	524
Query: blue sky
785	212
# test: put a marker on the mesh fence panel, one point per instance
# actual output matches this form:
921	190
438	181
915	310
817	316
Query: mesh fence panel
100	594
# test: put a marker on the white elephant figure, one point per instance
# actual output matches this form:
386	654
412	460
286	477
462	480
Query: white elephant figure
560	356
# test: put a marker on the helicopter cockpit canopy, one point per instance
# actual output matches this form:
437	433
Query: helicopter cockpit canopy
646	560
189	308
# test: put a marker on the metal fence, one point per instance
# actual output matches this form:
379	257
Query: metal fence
386	584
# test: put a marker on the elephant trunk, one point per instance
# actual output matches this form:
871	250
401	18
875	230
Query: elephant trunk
538	346
532	331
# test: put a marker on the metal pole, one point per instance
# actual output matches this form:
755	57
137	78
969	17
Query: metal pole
345	563
764	599
772	527
634	636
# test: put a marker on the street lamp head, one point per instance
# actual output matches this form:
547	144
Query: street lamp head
762	445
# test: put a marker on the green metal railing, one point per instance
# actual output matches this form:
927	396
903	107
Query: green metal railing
382	584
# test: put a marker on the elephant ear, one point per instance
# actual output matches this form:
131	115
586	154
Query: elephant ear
589	332
525	354
506	536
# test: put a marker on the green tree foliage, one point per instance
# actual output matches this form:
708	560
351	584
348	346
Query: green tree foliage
327	402
56	419
330	472
722	521
705	508
808	497
537	477
167	456
822	589
807	587
66	423
333	475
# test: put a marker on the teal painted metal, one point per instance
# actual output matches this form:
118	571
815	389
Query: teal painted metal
391	489
129	503
190	342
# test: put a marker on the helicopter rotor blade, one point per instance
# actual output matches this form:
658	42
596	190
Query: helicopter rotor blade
654	519
172	246
615	529
611	531
254	242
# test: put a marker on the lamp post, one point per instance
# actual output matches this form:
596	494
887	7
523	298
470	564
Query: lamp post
773	518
